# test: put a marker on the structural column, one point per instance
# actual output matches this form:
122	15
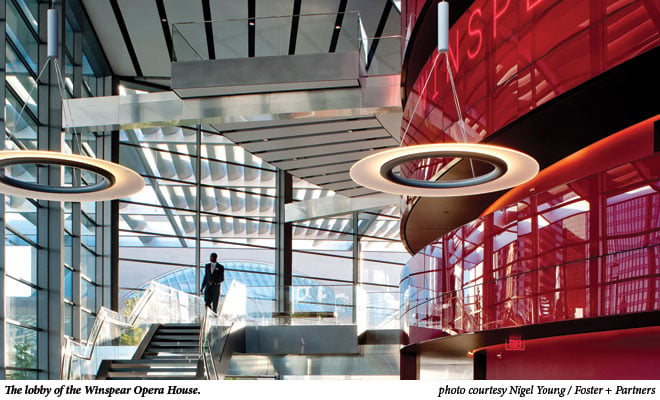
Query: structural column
356	266
76	209
198	209
283	244
2	197
50	273
114	215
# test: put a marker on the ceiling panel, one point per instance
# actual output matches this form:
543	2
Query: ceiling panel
272	35
240	126
326	169
316	161
103	19
356	192
187	11
144	27
301	129
230	37
326	149
315	32
342	185
330	178
313	140
321	150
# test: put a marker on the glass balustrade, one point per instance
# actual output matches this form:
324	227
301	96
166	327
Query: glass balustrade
273	36
115	336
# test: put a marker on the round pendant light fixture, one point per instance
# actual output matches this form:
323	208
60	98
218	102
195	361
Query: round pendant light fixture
116	182
509	168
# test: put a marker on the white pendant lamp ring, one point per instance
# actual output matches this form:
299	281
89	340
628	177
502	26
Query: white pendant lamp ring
499	169
117	180
511	168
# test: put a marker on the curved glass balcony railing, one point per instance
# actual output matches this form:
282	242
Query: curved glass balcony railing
586	248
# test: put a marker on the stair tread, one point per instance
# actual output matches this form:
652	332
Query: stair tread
177	332
175	337
188	369
186	326
152	377
152	361
180	356
179	343
175	352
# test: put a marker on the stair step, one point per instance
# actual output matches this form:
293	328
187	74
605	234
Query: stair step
172	356
151	361
172	351
174	343
181	369
154	367
175	331
159	337
180	326
153	377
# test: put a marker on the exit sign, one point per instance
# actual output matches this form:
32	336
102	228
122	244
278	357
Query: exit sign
514	343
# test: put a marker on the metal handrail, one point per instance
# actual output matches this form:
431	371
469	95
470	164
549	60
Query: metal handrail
106	315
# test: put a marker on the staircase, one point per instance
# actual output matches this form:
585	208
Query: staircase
168	351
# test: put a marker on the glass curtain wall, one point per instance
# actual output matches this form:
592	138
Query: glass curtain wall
20	223
30	339
381	258
182	216
229	207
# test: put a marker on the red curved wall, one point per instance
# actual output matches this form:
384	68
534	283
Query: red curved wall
586	247
599	355
509	57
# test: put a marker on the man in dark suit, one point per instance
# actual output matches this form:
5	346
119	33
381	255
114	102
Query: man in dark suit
213	277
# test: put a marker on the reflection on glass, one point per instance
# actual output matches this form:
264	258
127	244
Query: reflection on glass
87	295
22	36
23	130
68	284
87	263
86	323
88	229
68	36
21	302
21	350
20	258
21	80
537	263
89	78
68	319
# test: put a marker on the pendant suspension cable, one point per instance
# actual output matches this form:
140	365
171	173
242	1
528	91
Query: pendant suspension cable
421	94
25	102
67	110
461	122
